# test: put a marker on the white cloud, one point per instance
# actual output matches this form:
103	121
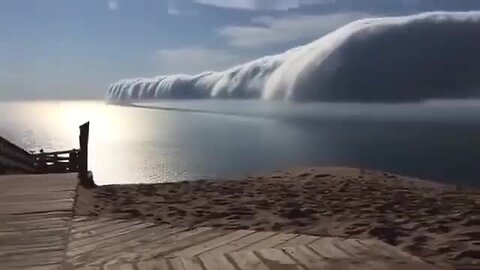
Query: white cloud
173	11
266	31
112	4
262	4
195	60
332	69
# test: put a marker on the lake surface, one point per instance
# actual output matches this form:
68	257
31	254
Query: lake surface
188	140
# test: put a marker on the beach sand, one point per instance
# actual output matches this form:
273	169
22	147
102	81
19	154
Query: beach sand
439	223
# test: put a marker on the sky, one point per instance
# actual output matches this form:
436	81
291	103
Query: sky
74	49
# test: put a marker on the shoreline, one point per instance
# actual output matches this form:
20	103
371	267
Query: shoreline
437	222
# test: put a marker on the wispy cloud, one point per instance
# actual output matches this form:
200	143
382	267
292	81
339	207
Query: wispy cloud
112	4
267	31
262	4
173	11
195	60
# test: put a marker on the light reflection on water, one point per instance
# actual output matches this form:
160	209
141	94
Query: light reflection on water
233	138
54	126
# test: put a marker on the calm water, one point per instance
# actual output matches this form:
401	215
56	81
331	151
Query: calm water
188	140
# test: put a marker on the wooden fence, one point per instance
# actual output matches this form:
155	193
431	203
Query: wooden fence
14	159
57	162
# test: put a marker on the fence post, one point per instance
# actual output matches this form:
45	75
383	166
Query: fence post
85	179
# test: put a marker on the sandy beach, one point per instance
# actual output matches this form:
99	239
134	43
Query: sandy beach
439	223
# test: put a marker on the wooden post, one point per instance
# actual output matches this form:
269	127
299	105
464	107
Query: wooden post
83	174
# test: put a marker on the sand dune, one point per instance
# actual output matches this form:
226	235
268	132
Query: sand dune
440	223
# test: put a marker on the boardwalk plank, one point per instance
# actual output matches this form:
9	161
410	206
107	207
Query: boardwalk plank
32	208
77	224
178	242
176	264
276	259
34	220
32	224
36	197
104	246
153	265
269	242
131	250
92	226
113	226
298	241
189	264
241	243
103	237
326	248
357	250
192	264
211	244
306	257
46	267
120	267
247	260
16	250
216	262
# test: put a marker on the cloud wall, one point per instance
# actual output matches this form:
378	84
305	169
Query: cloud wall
392	59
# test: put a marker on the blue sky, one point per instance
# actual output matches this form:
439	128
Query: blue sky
73	49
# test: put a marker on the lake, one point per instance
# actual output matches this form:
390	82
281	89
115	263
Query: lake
189	140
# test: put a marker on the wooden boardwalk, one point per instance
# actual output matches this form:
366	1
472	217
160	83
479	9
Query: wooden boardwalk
35	219
38	230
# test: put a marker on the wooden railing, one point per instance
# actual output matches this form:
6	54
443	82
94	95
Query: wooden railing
14	159
57	162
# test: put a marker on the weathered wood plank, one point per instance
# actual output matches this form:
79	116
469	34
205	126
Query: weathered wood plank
120	242
357	250
129	250
300	240
241	243
29	245
84	222
50	267
82	228
276	259
326	248
269	242
176	264
37	216
27	202
192	264
179	263
34	220
178	242
16	250
22	234
31	259
98	232
153	265
247	260
216	262
213	243
73	244
126	266
306	257
4	198
34	208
